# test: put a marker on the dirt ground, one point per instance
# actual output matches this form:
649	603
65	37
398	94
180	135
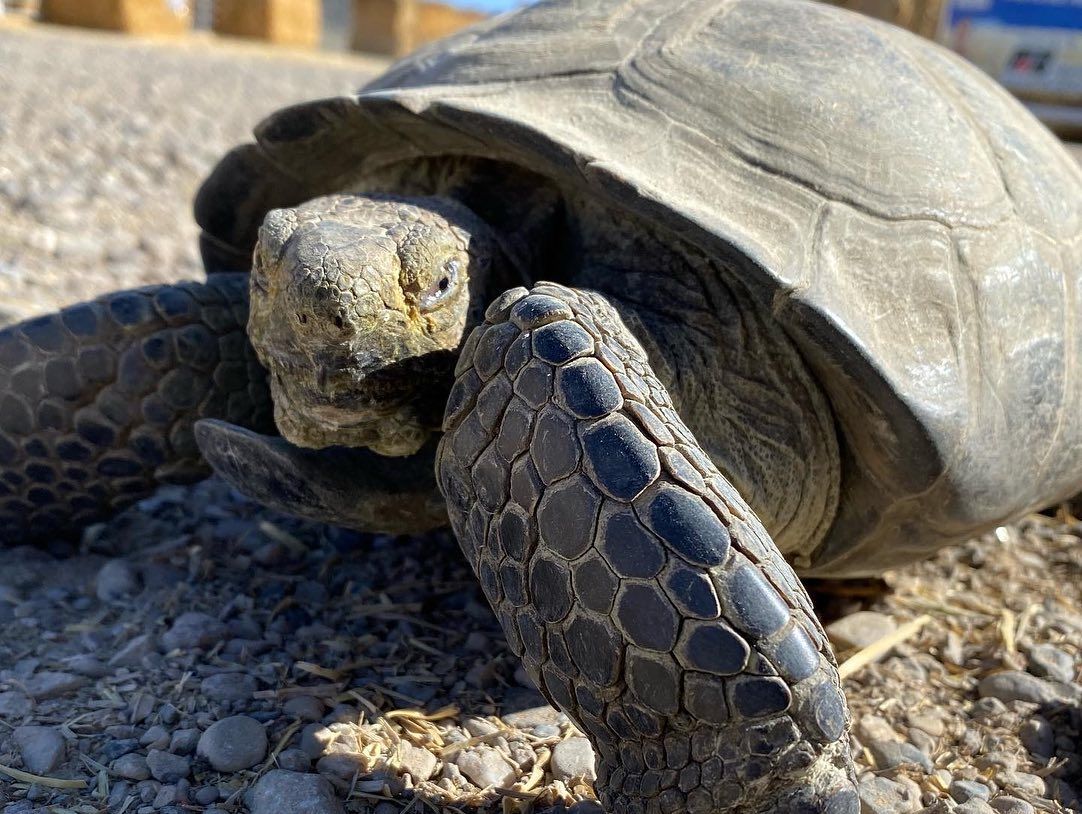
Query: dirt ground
201	654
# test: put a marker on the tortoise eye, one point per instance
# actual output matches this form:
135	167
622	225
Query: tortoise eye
442	287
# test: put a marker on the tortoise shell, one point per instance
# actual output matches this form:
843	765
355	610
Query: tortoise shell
914	230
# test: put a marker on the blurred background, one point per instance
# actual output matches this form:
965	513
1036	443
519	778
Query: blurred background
1033	47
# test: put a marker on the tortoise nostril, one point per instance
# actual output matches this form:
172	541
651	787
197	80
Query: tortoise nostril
339	322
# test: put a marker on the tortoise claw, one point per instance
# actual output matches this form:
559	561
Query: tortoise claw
347	487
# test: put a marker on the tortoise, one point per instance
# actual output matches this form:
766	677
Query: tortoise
659	305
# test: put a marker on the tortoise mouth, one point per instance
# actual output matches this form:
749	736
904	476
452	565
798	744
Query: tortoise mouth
392	410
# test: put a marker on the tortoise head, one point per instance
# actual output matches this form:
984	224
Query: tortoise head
358	307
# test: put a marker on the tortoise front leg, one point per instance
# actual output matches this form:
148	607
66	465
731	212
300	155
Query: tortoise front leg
352	487
643	595
97	401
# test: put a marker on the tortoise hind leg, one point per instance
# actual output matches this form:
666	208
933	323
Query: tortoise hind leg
97	401
643	595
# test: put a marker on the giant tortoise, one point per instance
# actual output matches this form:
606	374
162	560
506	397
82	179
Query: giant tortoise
659	304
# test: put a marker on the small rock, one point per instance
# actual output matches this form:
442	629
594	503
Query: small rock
1021	781
131	767
166	767
225	687
133	653
417	762
46	684
573	758
881	795
872	728
479	727
184	741
117	748
193	629
535	716
928	721
1050	662
116	580
340	766
234	743
485	767
304	707
42	748
987	709
1015	685
206	795
974	806
282	792
157	737
964	790
1011	805
294	760
860	629
1038	737
891	754
14	705
87	665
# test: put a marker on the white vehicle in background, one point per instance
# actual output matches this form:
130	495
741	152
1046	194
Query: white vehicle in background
1032	47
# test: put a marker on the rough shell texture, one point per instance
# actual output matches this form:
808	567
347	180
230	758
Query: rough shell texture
916	232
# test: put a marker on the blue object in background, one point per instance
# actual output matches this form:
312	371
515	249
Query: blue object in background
1020	13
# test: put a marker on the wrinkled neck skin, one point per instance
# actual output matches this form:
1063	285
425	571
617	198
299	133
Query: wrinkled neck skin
359	305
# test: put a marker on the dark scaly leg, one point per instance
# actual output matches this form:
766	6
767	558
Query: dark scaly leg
97	402
641	592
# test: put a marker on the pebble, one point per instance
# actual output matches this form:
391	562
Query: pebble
304	707
116	580
928	721
282	792
192	630
14	705
860	629
974	806
872	728
891	754
206	795
42	748
1038	737
1049	661
418	763
226	687
485	767
1021	781
294	760
573	758
1015	685
133	653
963	790
881	795
131	767
234	743
527	719
117	748
184	741
167	767
479	727
87	665
1005	804
156	737
47	684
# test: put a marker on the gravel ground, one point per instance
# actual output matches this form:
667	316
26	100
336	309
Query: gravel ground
201	654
